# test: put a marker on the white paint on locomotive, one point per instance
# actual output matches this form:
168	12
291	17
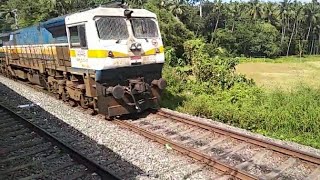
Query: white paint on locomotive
104	38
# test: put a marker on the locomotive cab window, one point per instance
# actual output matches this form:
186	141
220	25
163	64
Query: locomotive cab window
112	28
144	28
78	36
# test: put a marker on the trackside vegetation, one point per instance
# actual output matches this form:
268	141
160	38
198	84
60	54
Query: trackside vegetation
209	87
203	49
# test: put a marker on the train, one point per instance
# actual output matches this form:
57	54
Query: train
108	59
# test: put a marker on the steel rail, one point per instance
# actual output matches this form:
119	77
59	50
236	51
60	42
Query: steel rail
187	151
76	155
284	149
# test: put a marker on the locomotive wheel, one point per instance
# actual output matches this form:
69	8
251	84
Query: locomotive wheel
57	95
72	103
83	103
91	111
49	88
64	96
108	118
10	75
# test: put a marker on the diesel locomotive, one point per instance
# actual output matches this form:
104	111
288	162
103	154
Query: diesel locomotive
108	59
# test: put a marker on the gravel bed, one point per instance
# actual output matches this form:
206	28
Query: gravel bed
274	160
57	162
258	170
249	152
300	171
197	143
234	159
34	168
145	159
11	128
63	173
31	158
206	141
204	171
178	127
28	150
215	151
19	138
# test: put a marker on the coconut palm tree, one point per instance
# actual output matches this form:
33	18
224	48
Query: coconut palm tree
176	6
296	9
234	10
8	17
217	9
255	9
283	16
270	12
311	10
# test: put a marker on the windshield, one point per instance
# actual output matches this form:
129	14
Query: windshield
112	28
144	28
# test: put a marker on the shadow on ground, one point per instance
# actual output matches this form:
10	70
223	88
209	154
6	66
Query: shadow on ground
171	101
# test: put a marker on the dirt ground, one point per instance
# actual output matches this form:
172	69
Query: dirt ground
285	75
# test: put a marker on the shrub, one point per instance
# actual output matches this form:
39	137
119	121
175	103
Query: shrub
214	70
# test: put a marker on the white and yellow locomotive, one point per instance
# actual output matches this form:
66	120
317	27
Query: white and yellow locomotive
109	59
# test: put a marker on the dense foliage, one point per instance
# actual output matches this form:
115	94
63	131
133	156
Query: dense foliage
253	28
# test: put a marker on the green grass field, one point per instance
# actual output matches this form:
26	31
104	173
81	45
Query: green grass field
282	73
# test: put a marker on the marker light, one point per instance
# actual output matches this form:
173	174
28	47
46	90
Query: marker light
110	54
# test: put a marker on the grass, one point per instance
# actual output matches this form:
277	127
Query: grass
282	59
285	75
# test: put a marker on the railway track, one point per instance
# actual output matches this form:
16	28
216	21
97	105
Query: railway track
30	152
235	154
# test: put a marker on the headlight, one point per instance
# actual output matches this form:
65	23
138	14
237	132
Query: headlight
133	47
139	46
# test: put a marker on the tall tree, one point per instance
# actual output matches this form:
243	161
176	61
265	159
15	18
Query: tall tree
255	9
297	10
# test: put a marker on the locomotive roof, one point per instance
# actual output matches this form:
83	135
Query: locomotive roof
103	11
54	22
84	16
4	34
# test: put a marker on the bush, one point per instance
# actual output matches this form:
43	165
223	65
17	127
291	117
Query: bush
213	70
293	116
